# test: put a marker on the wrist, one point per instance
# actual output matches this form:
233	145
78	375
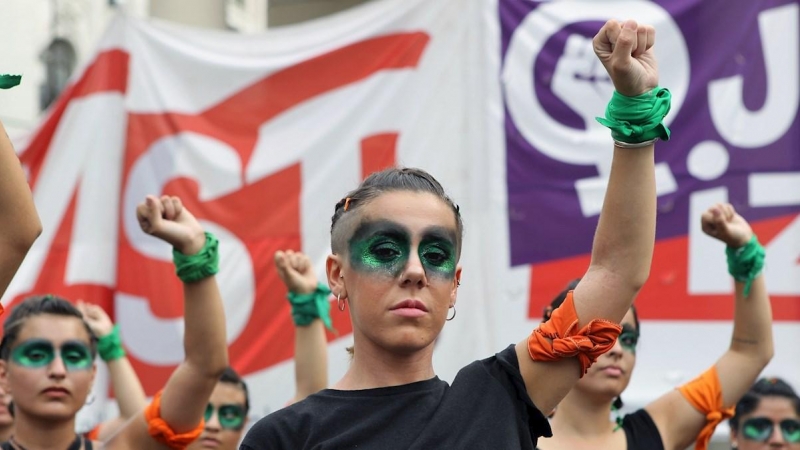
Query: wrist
193	245
740	242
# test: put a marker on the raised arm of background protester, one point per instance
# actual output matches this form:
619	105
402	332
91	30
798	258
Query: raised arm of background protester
623	244
126	386
751	345
185	396
310	345
19	222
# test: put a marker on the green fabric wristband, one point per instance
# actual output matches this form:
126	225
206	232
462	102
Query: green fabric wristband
746	262
110	346
638	119
308	307
205	263
9	81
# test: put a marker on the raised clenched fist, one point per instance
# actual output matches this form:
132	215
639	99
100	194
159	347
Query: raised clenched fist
626	51
722	222
96	318
167	219
296	271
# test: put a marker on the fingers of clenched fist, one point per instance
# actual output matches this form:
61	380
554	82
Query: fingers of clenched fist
96	318
624	48
167	219
722	222
296	272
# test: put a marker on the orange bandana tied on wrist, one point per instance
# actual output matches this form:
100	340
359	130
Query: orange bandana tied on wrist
162	432
560	338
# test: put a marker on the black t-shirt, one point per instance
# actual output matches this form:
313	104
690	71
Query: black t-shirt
641	431
487	407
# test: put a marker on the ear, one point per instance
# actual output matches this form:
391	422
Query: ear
456	283
335	271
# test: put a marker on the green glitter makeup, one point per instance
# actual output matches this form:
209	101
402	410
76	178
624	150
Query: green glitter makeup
437	253
380	247
384	247
230	417
37	353
760	429
629	338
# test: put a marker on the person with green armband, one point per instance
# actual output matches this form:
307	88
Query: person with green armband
48	350
310	301
690	413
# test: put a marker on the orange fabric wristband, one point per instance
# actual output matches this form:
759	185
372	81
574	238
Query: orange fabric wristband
162	432
559	337
704	393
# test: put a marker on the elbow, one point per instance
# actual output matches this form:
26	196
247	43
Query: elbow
25	237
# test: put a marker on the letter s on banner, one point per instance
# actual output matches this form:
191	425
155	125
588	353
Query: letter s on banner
217	169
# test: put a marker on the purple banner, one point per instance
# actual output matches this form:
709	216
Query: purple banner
734	71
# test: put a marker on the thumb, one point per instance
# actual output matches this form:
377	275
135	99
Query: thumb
625	45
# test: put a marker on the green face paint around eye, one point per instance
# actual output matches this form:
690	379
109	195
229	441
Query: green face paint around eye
791	431
629	338
379	247
230	417
758	429
33	353
37	353
438	256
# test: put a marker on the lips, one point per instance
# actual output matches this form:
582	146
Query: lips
209	442
614	371
56	391
410	304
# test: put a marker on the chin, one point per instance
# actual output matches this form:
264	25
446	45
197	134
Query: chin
55	412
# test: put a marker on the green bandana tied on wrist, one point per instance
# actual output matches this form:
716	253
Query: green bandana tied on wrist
638	119
109	347
746	262
9	81
307	307
205	263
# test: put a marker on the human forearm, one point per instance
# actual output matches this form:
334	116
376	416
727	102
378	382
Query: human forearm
310	359
623	244
127	388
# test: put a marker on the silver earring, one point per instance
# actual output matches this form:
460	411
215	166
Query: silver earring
454	313
339	303
90	400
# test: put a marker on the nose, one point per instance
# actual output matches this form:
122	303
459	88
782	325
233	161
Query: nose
414	273
212	424
776	440
616	350
57	369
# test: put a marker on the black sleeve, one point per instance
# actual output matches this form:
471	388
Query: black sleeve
641	432
505	368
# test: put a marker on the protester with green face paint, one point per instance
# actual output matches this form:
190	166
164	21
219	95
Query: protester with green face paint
679	417
394	267
767	417
48	352
225	415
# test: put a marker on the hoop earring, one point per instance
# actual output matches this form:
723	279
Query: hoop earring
454	314
90	400
339	303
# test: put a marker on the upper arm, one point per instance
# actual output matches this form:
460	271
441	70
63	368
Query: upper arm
185	397
676	419
679	422
548	382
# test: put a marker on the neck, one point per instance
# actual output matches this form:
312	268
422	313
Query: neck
40	434
6	431
583	415
374	367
